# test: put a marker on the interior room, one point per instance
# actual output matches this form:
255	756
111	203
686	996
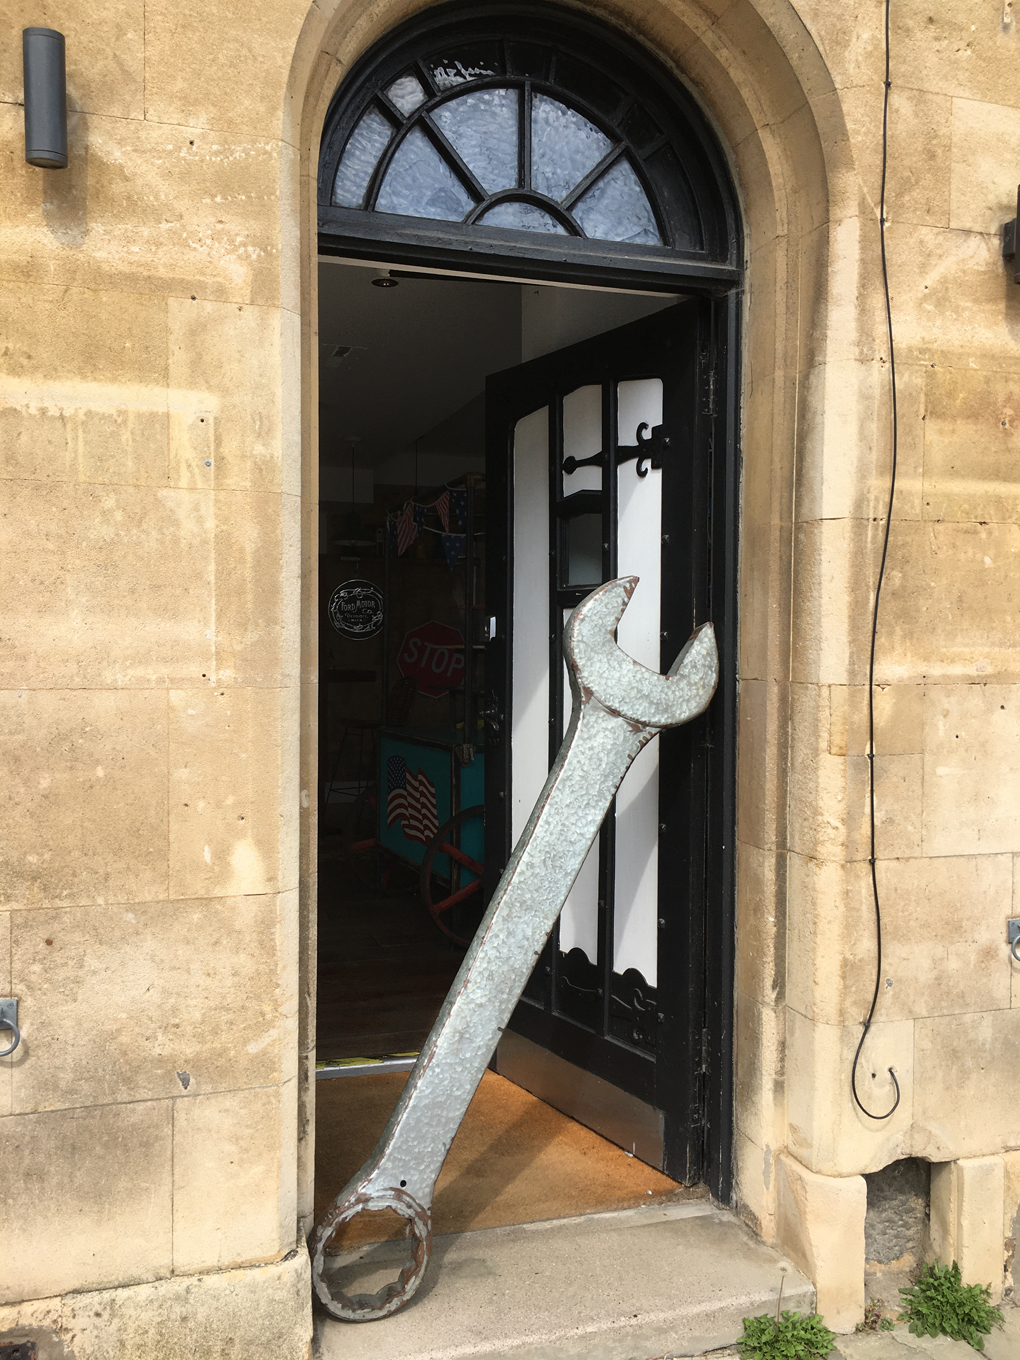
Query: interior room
403	359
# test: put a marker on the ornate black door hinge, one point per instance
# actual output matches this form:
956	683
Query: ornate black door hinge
650	446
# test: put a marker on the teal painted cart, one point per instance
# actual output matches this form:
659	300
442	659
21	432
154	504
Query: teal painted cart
431	816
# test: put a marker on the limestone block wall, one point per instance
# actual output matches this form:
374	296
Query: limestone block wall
150	580
157	597
948	659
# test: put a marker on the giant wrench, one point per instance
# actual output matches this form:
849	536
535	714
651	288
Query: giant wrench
618	707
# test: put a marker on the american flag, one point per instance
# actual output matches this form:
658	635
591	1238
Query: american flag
443	511
407	529
411	800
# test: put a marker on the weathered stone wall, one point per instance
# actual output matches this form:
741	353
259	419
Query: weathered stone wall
947	736
948	657
157	450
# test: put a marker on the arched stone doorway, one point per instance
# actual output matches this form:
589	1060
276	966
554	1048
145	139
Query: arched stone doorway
767	88
536	146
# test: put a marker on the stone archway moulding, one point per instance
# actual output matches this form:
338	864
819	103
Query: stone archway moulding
763	82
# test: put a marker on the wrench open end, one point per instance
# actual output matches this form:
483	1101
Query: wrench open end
368	1307
621	684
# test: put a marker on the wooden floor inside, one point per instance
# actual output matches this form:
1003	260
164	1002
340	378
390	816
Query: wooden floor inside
383	972
383	967
514	1160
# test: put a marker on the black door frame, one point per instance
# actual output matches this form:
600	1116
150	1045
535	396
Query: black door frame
698	1099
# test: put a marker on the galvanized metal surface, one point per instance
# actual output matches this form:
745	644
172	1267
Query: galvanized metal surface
618	707
360	1069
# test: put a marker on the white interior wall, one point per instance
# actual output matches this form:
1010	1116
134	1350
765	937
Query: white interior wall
403	369
553	317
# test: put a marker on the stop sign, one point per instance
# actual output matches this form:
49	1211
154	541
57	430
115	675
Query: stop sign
433	656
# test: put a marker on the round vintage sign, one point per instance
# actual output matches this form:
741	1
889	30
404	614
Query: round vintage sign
356	609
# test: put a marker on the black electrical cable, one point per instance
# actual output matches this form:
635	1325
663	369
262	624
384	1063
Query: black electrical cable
874	615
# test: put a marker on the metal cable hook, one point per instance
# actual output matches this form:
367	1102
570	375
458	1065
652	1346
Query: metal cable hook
878	597
9	1020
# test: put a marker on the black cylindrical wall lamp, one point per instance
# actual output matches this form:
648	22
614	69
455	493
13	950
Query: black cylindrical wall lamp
45	98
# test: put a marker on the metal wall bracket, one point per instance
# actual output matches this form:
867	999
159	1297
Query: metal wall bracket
9	1025
1009	239
1013	937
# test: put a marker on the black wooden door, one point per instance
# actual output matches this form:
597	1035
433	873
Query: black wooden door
601	461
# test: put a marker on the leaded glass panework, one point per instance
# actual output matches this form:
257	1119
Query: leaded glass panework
521	121
454	151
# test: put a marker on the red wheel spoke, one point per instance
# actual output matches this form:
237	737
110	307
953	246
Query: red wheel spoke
440	844
452	901
461	858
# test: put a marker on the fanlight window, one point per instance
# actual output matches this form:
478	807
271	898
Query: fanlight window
507	155
525	132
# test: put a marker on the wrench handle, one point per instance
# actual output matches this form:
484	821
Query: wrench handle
501	957
402	1171
618	707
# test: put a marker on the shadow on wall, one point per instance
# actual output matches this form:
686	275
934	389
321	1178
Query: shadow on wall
65	192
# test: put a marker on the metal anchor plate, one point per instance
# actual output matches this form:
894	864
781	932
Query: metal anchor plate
618	707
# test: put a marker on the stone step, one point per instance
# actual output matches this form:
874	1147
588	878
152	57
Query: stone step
902	1344
631	1285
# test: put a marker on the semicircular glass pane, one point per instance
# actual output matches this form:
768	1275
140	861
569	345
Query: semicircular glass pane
419	183
564	147
482	128
361	155
406	92
616	208
522	217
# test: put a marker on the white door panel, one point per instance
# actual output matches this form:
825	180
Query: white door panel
638	541
635	913
579	919
530	713
639	536
582	437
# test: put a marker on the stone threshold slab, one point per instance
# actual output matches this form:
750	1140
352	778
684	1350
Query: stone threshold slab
637	1284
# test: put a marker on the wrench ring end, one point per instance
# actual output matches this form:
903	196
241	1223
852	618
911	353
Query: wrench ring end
392	1297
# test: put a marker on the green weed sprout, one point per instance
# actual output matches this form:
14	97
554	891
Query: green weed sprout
789	1337
940	1305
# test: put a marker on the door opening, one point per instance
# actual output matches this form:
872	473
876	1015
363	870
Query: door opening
530	256
419	374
